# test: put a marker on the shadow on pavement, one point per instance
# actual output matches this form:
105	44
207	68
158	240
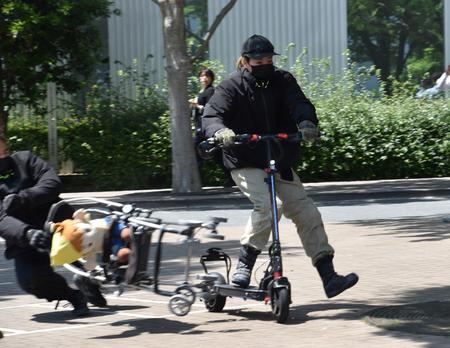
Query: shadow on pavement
424	229
153	326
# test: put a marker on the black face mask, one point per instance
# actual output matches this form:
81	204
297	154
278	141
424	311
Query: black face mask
5	164
262	72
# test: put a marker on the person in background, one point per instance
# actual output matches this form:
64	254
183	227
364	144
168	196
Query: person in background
433	91
443	82
260	99
206	77
424	86
28	188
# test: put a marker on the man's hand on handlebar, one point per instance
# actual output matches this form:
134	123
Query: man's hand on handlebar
226	136
309	131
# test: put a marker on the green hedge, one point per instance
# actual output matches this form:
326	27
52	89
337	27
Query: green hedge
391	138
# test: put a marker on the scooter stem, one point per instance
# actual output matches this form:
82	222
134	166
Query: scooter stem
276	247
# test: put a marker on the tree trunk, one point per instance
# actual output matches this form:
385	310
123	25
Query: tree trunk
185	175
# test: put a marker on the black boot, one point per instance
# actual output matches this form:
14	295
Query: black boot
243	273
91	290
79	303
333	283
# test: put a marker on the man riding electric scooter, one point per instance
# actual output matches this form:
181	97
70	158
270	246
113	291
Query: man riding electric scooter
261	99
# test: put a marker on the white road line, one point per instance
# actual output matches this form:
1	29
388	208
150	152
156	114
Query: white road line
12	330
133	299
27	305
7	283
135	317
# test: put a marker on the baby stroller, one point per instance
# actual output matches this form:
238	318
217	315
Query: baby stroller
134	274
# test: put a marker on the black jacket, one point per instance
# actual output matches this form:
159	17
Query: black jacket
202	99
246	105
39	184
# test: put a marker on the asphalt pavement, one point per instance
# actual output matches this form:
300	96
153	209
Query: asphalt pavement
401	300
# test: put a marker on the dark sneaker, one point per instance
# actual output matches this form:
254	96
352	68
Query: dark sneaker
338	284
79	303
90	289
242	275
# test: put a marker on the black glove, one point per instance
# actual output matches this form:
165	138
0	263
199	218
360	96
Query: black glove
309	131
226	136
12	202
39	240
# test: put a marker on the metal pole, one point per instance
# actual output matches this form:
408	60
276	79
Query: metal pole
52	126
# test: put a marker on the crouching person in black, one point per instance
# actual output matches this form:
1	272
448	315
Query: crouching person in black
28	188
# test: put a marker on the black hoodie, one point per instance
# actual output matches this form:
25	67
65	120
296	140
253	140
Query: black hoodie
39	185
246	105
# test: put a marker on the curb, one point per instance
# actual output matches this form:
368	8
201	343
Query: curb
233	197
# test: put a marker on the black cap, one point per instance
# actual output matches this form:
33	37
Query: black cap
257	47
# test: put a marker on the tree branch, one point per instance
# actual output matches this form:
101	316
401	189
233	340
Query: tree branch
211	31
198	37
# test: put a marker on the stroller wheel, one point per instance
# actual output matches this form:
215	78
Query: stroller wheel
187	291
179	305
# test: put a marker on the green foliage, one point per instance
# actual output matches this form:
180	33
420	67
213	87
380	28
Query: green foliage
425	67
389	32
389	138
196	23
44	41
197	11
120	142
371	136
29	137
123	143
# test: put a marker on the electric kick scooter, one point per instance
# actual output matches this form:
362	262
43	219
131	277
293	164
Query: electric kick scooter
274	288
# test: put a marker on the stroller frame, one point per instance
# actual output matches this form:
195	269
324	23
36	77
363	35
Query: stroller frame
134	274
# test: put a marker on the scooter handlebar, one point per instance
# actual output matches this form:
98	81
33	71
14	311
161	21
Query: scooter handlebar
207	148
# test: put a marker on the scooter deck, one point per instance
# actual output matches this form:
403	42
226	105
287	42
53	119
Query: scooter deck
251	292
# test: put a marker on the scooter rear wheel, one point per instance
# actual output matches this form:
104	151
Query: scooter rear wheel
280	304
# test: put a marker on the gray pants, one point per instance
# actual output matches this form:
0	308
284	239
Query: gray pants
292	202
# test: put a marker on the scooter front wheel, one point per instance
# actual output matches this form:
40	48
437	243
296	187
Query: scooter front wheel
280	304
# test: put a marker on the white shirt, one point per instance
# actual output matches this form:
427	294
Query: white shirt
443	83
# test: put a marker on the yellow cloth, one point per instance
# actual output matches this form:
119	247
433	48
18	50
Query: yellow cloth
66	243
63	251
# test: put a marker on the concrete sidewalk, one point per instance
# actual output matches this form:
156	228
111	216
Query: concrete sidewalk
403	276
401	300
319	192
